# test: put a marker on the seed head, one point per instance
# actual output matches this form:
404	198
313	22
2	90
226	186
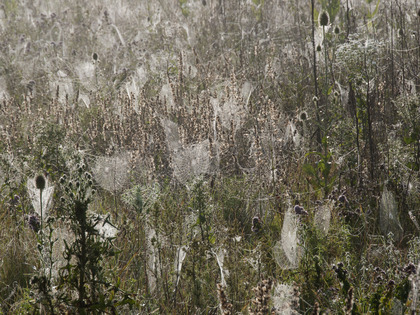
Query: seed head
400	32
303	116
40	182
342	199
256	224
300	210
336	30
318	48
410	268
323	18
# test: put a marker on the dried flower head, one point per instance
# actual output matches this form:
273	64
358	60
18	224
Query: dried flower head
260	305
336	30
225	306
323	18
40	182
256	223
343	199
318	48
410	268
299	210
303	116
400	32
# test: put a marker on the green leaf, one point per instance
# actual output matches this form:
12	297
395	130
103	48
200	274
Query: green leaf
212	238
330	90
409	140
371	15
309	169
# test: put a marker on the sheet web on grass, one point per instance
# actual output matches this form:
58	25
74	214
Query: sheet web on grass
188	161
112	172
322	218
181	253
192	161
153	262
414	292
388	215
287	252
285	299
220	258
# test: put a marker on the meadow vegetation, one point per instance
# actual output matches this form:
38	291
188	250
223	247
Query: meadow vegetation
209	157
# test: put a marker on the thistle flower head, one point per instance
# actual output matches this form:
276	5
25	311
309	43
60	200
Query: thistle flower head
33	222
323	18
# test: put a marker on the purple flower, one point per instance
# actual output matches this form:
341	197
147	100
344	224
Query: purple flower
33	222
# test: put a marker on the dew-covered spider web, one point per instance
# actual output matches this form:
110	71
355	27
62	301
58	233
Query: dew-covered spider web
192	161
285	299
388	215
111	172
181	253
35	196
322	218
287	252
220	258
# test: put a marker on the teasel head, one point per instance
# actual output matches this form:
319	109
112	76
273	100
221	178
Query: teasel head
300	210
303	116
40	182
323	18
336	30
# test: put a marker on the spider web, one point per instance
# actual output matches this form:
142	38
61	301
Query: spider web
388	215
286	251
191	161
34	195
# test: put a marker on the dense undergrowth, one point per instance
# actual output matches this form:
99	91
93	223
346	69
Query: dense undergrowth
180	157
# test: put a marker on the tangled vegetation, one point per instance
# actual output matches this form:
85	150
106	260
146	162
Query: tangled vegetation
209	156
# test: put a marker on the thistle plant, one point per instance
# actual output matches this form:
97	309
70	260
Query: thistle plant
83	284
